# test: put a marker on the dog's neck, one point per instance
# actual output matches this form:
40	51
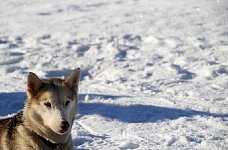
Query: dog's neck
49	143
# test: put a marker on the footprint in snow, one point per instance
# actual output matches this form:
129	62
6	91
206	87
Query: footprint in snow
128	145
7	58
11	43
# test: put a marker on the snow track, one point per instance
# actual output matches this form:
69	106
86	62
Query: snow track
87	137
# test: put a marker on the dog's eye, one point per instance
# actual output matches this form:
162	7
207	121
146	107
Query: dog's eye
47	104
67	103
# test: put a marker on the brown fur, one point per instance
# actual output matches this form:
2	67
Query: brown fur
29	129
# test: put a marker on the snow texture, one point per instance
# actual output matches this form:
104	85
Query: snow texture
154	73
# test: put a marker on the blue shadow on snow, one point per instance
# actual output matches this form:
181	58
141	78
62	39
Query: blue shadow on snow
139	113
11	102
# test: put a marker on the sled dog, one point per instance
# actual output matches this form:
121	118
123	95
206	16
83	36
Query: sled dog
46	120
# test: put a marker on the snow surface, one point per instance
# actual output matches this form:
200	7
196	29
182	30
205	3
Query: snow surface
154	73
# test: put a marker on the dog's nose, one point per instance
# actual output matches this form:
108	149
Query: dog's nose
64	126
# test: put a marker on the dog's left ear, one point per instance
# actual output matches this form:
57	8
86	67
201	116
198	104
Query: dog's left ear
34	84
72	80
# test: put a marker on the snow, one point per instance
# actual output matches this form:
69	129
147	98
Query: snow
154	73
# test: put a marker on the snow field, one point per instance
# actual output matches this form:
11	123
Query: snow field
154	73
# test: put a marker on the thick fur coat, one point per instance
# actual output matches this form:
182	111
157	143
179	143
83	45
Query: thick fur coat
46	120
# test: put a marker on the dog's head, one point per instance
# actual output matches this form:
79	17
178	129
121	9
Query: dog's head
52	103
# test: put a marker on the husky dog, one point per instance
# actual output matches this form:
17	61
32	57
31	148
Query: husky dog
46	120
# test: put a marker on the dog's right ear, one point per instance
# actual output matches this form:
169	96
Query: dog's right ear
33	84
